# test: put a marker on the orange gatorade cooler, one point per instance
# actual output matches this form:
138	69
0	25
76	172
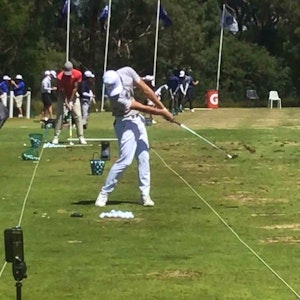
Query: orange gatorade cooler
212	99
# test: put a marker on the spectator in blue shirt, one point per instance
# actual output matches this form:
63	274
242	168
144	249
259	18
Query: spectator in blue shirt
4	89
19	92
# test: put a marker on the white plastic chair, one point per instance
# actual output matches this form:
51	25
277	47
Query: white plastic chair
273	96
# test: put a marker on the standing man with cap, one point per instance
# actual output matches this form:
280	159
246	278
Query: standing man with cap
68	81
190	90
46	89
86	96
4	89
19	92
183	87
130	129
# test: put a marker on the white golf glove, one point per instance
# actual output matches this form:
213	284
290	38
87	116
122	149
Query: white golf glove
70	105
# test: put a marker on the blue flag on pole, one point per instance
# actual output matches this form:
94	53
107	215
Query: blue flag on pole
63	14
103	18
164	17
229	22
64	10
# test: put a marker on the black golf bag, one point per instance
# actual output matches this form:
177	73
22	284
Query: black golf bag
3	114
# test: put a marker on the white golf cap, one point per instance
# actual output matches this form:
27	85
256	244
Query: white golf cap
19	76
148	78
89	74
47	73
6	77
53	73
113	83
68	67
181	73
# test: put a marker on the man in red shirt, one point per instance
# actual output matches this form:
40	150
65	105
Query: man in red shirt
67	81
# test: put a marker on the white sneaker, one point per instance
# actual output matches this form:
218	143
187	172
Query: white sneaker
192	110
154	122
20	116
101	200
82	141
55	140
147	201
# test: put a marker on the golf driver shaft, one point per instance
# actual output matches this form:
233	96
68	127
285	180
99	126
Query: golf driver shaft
203	138
70	127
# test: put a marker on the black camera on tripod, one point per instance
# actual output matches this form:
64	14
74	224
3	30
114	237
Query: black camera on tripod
14	252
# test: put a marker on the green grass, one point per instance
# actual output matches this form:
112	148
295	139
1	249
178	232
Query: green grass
179	249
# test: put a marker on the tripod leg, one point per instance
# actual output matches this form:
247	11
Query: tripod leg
19	290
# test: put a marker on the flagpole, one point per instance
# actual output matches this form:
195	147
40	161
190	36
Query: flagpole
106	53
68	30
220	50
156	41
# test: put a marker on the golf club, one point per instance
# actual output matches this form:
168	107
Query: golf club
95	139
70	128
205	140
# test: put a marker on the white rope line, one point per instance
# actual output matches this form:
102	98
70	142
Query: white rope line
29	188
25	200
224	222
3	268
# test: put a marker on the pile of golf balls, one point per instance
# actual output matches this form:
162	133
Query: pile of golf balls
117	214
50	145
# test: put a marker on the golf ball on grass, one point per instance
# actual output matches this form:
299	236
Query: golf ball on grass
233	156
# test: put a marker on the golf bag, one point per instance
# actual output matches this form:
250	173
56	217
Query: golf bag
3	114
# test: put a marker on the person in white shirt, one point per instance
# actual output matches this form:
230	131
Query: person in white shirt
46	89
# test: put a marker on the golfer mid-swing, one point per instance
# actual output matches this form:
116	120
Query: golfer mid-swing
130	129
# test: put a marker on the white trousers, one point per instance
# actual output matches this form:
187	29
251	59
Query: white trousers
133	143
85	109
76	113
4	99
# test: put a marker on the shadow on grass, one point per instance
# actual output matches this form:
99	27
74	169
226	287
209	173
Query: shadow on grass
83	202
110	202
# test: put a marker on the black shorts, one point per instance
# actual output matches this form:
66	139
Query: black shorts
190	94
47	100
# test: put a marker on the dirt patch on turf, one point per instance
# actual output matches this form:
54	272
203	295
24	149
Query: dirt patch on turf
175	274
244	197
249	148
289	143
295	226
281	239
266	215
